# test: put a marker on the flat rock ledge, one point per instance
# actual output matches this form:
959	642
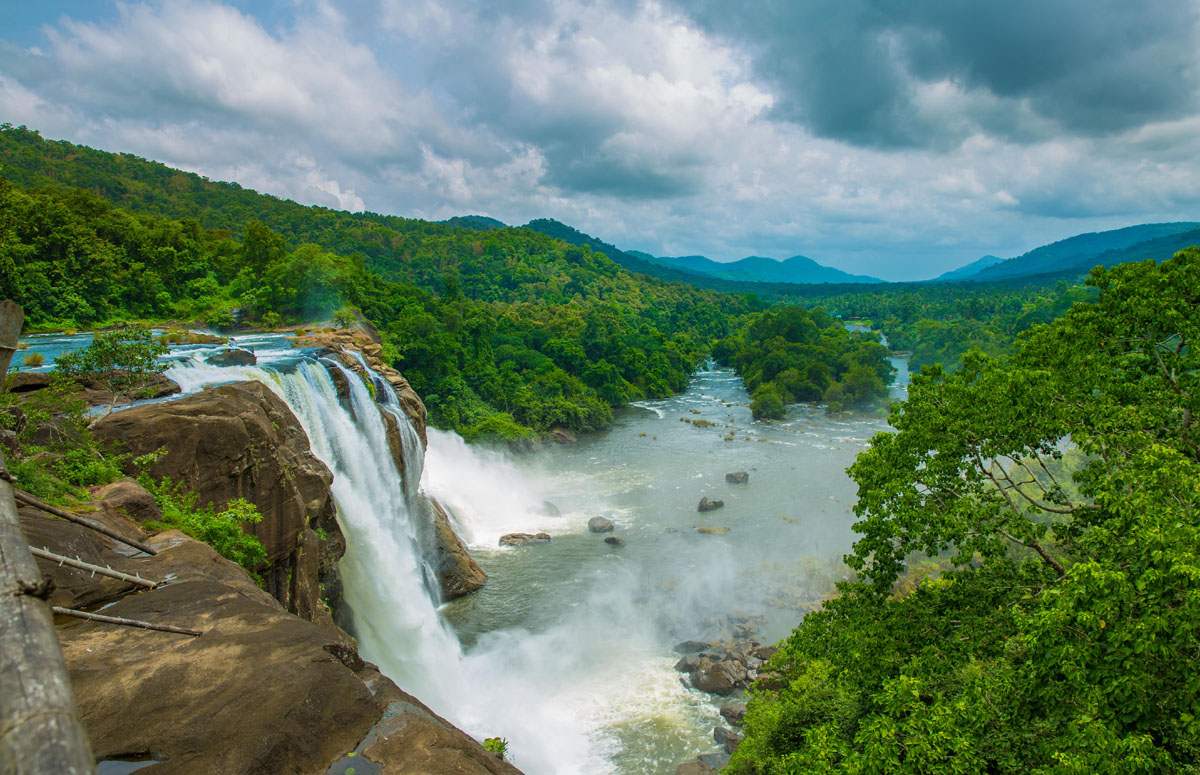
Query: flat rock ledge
261	691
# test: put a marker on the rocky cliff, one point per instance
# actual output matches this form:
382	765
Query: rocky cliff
260	691
272	685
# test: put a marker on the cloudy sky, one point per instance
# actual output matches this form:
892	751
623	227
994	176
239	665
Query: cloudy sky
898	139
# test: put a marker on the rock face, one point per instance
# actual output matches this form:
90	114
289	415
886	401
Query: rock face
234	356
457	572
737	477
261	691
366	341
241	441
707	505
520	539
600	525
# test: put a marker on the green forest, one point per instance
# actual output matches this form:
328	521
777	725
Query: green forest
505	333
1056	493
1024	597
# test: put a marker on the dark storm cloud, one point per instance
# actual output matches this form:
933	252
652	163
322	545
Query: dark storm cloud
855	69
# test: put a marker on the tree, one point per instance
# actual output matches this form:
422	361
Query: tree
120	362
1058	496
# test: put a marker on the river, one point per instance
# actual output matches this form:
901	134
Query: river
567	651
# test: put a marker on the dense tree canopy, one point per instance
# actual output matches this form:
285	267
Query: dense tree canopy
1062	489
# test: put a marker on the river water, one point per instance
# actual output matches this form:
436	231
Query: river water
567	651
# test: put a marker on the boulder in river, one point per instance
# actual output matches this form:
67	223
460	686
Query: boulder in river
458	573
737	477
600	525
690	647
234	356
734	712
707	505
728	738
520	539
614	541
721	677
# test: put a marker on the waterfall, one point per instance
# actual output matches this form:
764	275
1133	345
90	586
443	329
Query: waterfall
508	687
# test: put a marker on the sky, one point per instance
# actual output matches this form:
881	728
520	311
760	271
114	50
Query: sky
896	139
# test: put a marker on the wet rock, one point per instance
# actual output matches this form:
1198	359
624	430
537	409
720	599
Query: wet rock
734	712
765	652
600	525
728	738
520	539
695	767
721	677
737	477
561	436
614	541
234	356
707	505
364	339
457	572
716	761
690	647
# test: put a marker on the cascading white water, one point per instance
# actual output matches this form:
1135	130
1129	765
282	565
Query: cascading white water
395	619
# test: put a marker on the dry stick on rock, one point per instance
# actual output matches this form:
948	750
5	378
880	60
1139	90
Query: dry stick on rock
46	554
123	621
29	500
39	725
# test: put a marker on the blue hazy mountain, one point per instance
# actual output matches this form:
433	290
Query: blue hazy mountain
1080	253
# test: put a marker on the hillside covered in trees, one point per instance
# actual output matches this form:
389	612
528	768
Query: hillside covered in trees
1057	491
504	333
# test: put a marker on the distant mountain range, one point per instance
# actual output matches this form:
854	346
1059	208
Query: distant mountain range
1077	255
756	269
1065	259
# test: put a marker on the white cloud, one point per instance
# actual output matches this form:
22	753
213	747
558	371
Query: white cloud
625	119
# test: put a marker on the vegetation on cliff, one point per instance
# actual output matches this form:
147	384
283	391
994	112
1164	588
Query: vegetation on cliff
1061	488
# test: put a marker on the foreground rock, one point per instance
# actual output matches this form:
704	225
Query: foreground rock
261	691
707	505
600	525
242	441
520	539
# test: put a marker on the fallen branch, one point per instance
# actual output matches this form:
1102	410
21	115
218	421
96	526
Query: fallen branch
46	554
123	621
29	500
